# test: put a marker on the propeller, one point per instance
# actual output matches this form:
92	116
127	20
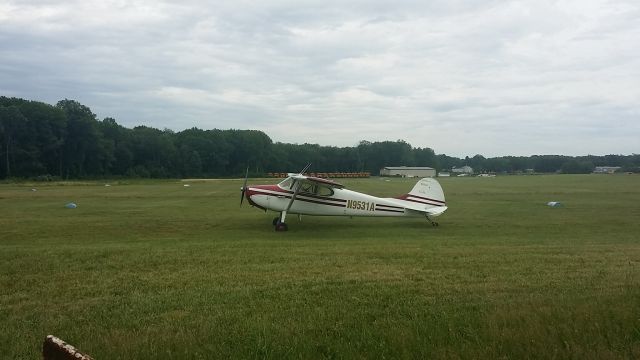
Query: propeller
243	189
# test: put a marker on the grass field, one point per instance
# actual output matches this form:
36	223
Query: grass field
158	270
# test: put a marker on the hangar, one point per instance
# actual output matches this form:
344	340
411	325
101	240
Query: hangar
408	171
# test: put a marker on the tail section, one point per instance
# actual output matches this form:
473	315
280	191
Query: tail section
426	198
427	191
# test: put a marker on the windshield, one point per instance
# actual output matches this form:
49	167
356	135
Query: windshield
286	183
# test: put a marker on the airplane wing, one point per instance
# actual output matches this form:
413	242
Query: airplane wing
327	182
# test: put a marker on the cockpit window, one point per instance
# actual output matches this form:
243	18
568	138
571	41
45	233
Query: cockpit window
286	183
316	189
324	191
307	187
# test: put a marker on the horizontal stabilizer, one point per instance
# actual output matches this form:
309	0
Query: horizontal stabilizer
436	210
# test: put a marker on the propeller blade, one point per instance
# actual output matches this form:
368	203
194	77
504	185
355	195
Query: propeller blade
243	189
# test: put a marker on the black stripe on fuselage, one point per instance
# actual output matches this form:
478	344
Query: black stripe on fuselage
287	196
391	206
389	210
314	196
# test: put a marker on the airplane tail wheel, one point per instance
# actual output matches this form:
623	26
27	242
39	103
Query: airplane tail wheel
281	227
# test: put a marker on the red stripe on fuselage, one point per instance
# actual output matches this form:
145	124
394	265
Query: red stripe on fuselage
425	198
421	200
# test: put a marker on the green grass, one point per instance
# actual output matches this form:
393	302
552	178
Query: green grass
158	270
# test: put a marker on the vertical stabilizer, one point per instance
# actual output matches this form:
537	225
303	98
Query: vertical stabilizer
426	191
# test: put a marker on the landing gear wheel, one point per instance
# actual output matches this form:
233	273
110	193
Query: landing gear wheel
434	224
281	227
276	220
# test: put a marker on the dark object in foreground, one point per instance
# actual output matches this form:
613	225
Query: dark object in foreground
54	348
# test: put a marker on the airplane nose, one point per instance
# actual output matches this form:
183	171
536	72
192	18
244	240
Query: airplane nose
245	191
249	192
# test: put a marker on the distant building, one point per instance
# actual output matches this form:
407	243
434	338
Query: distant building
443	174
408	171
462	170
605	169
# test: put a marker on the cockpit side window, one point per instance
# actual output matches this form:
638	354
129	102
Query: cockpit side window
324	191
307	187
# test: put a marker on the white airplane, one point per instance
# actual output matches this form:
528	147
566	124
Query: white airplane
306	195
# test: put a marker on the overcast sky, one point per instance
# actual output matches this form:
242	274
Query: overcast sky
463	77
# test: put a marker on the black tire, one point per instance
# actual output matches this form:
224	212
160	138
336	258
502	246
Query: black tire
281	227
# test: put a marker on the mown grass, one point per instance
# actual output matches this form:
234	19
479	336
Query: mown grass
158	270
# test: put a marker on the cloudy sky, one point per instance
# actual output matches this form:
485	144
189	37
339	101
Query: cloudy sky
460	76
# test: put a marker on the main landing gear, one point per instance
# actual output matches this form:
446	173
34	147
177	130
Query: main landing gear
279	224
433	223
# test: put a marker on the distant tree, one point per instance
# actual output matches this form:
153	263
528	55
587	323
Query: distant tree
574	166
12	124
117	143
84	152
446	162
498	164
425	157
377	155
478	163
248	148
548	163
211	146
67	140
46	131
153	153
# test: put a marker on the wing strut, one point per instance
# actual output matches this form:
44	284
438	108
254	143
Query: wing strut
305	169
297	185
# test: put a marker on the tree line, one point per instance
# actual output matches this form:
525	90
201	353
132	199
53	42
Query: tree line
67	141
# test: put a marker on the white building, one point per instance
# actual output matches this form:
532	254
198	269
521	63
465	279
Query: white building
605	169
462	170
408	171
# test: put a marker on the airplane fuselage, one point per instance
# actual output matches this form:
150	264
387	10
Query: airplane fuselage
329	202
